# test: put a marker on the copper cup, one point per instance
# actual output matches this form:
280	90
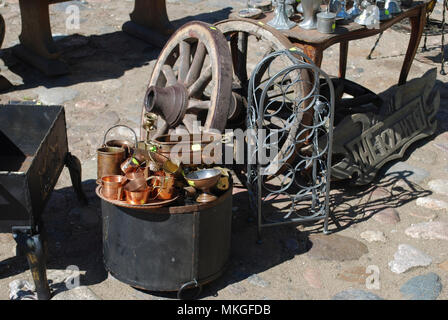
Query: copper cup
163	185
137	181
131	164
113	187
137	197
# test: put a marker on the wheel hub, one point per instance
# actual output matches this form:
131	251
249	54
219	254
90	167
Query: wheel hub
171	102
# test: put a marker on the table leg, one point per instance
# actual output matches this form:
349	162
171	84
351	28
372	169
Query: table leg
38	48
149	22
314	53
343	53
4	83
74	166
417	26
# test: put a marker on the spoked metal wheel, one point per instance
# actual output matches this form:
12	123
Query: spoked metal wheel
191	81
249	38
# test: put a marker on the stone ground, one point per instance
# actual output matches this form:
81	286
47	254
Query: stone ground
395	231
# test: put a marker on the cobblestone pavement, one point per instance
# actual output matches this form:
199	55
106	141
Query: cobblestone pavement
395	230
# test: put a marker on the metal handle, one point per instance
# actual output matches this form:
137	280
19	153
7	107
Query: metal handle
120	125
192	284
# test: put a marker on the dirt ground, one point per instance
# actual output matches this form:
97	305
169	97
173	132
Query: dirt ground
109	74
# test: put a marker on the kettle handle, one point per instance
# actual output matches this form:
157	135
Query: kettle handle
120	125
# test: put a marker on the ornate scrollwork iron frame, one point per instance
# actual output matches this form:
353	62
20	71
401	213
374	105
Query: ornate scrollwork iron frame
300	177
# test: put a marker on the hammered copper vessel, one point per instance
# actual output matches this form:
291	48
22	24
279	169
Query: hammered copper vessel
109	161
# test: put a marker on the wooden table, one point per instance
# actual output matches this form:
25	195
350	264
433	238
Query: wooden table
314	43
149	21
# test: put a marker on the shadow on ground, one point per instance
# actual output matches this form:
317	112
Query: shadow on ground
74	241
97	57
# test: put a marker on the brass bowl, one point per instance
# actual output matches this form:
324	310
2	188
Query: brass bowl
204	180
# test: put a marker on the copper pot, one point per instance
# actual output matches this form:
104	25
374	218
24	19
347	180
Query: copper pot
121	144
190	149
112	154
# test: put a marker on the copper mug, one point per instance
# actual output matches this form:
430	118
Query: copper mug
112	187
137	181
163	185
137	197
129	165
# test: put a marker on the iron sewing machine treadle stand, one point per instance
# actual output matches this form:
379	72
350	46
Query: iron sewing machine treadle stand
34	150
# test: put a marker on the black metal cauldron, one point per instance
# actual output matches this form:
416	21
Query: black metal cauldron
170	248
